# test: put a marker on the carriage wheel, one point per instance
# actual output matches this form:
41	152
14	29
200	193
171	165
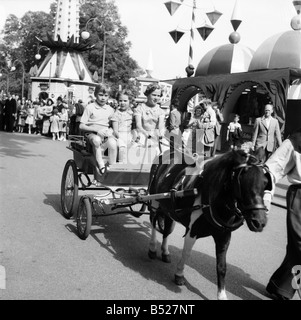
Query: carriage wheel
69	189
84	217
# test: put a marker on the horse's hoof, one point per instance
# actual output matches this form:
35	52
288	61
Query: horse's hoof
166	258
179	280
152	254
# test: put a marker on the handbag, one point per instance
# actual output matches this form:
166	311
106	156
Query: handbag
208	137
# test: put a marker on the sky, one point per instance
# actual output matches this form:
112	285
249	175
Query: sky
149	24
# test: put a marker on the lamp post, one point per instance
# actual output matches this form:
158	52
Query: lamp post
13	68
7	78
86	35
38	55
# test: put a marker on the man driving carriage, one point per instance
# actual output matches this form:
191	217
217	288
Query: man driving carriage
95	123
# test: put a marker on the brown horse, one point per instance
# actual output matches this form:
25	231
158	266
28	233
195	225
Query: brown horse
230	191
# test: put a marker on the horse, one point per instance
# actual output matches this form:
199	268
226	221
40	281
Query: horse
230	190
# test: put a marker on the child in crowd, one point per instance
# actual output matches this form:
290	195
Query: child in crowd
234	133
122	121
30	116
63	123
54	124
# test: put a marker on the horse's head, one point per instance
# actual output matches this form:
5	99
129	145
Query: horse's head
248	182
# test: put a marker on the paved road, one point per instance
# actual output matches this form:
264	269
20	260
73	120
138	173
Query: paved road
44	258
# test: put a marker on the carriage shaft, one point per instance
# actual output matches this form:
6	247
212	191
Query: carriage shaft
145	198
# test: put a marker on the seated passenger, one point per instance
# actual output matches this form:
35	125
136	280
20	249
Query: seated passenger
122	121
95	122
149	117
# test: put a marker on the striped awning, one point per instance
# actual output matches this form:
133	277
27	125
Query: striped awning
228	58
282	50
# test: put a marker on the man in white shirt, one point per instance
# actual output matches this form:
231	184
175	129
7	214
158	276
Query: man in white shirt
286	161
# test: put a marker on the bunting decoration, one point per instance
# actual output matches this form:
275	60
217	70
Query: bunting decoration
204	31
176	35
172	6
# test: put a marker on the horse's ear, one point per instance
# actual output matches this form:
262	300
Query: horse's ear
239	156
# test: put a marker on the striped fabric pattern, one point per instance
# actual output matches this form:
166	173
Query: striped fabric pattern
282	50
229	58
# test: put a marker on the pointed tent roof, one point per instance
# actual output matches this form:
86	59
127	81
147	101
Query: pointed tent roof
66	65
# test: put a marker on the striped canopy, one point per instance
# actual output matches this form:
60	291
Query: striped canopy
282	50
228	58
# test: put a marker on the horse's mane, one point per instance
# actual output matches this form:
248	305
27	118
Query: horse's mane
218	171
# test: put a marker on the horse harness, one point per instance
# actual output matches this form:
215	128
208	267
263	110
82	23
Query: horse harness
234	208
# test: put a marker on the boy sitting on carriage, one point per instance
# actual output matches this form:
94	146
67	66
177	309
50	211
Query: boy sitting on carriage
95	123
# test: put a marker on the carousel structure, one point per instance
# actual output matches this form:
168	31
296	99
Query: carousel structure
64	72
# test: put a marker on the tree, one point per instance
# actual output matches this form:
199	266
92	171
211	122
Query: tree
119	66
19	42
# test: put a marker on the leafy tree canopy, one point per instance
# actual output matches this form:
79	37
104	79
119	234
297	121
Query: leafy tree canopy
19	44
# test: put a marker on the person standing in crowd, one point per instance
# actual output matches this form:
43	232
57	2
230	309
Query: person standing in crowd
79	110
286	161
95	123
234	133
10	113
39	117
122	121
2	111
150	117
21	115
47	108
217	133
59	104
54	124
30	116
173	125
265	130
63	122
71	117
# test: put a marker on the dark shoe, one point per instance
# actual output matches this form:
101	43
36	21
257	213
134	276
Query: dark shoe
275	295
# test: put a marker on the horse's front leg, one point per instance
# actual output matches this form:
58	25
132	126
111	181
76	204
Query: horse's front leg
152	249
169	226
221	248
188	245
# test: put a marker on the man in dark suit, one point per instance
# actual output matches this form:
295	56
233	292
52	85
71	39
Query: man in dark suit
10	113
266	132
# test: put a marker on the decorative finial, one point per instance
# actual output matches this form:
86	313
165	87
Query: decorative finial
296	20
235	21
189	70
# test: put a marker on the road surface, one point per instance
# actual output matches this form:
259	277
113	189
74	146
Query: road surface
43	258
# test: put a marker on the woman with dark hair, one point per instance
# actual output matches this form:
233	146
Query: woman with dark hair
286	161
149	117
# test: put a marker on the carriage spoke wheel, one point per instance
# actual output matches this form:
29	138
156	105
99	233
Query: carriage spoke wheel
84	217
69	189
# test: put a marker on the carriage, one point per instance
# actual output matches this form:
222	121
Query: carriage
123	190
